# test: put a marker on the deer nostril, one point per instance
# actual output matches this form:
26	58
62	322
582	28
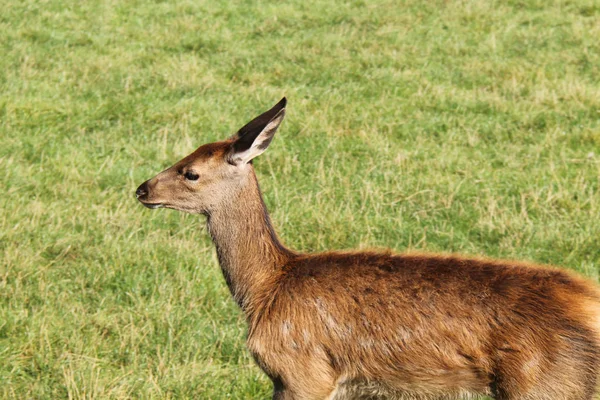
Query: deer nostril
142	190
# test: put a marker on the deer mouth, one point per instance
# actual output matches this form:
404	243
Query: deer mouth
152	205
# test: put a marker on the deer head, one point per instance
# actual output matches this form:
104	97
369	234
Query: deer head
215	171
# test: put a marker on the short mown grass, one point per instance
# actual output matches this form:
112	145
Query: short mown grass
461	126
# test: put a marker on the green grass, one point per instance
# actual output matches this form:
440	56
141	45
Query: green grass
463	126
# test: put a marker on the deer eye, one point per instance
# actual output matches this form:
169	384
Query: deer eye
191	176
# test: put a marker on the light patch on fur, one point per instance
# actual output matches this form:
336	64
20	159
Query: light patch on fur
404	336
306	336
326	315
367	343
532	366
286	330
344	331
286	327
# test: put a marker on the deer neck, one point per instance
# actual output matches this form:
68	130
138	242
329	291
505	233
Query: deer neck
249	252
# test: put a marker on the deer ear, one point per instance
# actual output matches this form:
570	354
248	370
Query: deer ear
254	137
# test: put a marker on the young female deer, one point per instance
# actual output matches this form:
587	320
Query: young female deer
366	325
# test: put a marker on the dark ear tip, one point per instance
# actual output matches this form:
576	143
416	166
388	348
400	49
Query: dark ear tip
283	102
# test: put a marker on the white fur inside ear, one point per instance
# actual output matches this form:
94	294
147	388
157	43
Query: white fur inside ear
261	142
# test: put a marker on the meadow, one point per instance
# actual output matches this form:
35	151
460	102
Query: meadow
468	126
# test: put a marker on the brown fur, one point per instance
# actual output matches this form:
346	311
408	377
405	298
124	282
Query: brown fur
369	325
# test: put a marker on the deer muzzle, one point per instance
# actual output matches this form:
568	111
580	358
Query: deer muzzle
142	195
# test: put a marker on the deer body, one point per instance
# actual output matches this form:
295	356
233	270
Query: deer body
366	325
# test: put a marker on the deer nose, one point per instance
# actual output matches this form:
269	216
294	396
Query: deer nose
142	191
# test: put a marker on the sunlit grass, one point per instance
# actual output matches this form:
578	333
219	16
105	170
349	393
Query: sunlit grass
467	126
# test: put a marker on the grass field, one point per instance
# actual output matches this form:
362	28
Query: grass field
443	126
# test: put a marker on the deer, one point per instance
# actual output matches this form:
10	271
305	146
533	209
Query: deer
343	325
